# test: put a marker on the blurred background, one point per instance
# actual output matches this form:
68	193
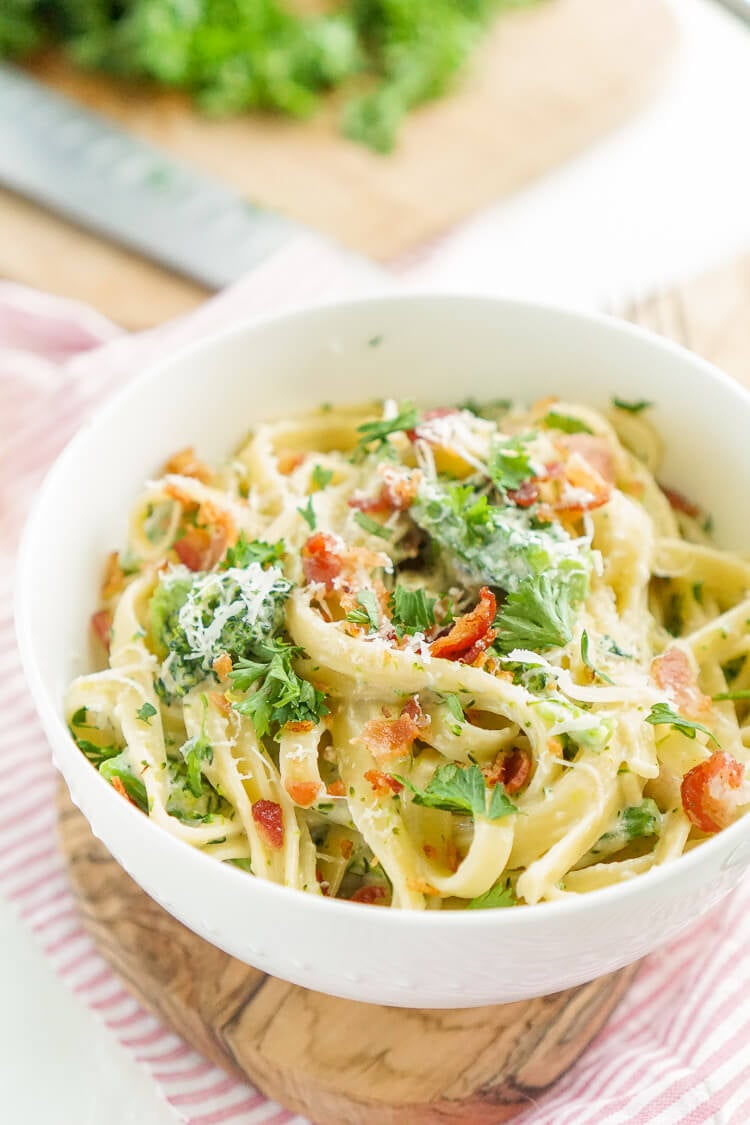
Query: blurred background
589	152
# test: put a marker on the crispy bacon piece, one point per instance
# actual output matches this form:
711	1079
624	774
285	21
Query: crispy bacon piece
383	784
267	815
397	492
220	702
114	576
680	503
346	847
472	655
435	412
303	793
200	549
393	738
371	895
288	460
594	450
713	790
525	495
672	672
468	630
336	788
222	665
301	726
580	477
512	770
321	559
101	623
185	464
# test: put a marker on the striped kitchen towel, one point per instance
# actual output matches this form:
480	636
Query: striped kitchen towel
674	1053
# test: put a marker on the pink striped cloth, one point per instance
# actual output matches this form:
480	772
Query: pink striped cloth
676	1050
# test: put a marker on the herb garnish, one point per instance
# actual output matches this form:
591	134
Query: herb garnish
662	714
368	612
631	407
541	612
308	514
380	431
371	526
566	423
146	713
413	611
462	790
499	895
586	658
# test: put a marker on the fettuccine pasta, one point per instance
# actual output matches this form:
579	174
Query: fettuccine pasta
457	658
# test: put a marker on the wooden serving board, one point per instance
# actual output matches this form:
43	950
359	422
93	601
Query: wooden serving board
324	1057
549	80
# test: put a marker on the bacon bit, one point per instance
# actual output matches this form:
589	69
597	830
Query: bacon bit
267	815
220	702
476	654
119	787
383	784
512	770
302	726
321	560
371	895
114	577
101	623
288	460
712	792
525	495
336	789
185	464
423	887
346	847
397	492
673	672
594	450
429	851
467	630
580	475
393	738
435	412
680	503
199	549
451	856
222	665
303	793
214	520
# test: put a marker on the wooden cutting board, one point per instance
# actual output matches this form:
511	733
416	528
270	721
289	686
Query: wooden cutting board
549	80
341	1063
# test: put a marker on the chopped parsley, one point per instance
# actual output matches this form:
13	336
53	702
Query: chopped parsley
540	614
499	895
380	431
78	718
661	714
453	703
281	696
119	767
634	822
412	611
586	658
245	552
632	407
146	713
308	514
462	790
321	477
196	752
743	693
565	423
509	462
96	754
368	612
371	526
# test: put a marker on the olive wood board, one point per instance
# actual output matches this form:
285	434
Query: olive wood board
549	80
335	1061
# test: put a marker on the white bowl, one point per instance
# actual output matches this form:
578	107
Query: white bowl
433	349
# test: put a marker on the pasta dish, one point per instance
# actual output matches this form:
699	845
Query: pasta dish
456	658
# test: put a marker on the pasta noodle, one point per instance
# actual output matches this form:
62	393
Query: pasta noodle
460	658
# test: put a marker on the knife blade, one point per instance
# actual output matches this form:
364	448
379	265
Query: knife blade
78	164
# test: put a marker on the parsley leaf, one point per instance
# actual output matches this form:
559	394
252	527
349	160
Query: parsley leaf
509	462
78	718
321	477
308	514
119	767
282	698
412	610
541	612
588	662
195	752
641	820
662	714
501	894
461	790
453	703
380	431
96	754
146	713
371	526
368	613
632	407
245	552
566	423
